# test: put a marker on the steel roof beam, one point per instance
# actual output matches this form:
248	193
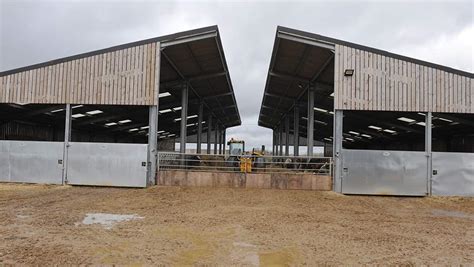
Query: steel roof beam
175	68
306	40
189	38
207	81
195	78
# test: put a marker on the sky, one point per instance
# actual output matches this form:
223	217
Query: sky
436	31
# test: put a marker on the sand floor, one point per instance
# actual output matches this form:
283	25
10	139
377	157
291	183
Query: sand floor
46	225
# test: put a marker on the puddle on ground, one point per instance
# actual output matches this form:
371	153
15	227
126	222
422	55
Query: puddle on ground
21	216
108	220
451	213
245	253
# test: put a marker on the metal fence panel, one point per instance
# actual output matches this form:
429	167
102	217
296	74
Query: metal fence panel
107	164
453	174
31	162
384	172
253	163
4	161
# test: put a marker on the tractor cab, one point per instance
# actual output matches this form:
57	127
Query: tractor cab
236	147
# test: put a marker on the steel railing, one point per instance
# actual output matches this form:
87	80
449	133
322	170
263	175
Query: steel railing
259	164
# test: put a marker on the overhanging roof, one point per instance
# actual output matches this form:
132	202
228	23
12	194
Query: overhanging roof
295	63
194	57
301	58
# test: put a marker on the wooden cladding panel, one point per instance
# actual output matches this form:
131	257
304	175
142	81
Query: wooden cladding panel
384	83
122	77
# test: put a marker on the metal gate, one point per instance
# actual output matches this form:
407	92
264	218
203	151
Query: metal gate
453	174
381	172
31	162
107	164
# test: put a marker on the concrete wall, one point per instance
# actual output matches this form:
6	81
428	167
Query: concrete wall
245	180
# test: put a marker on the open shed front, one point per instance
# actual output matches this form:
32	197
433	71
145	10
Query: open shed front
99	118
397	125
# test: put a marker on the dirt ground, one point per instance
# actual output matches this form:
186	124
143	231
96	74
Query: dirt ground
43	225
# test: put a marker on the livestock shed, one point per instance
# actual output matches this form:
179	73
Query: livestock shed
99	118
394	125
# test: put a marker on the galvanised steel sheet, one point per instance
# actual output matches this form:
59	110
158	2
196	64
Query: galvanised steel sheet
453	174
31	162
107	164
4	161
377	172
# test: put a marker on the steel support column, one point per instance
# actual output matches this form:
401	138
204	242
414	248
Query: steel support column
220	140
209	131
199	129
296	131
428	149
280	139
152	155
216	130
275	142
152	144
67	139
287	135
184	119
310	128
337	150
223	140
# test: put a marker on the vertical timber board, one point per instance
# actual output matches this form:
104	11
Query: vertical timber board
135	73
347	84
356	66
353	88
3	89
470	88
14	87
125	76
451	93
384	83
120	78
141	75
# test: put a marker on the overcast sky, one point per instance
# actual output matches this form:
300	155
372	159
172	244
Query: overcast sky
37	31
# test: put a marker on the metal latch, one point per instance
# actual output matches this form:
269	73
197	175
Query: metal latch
345	169
435	172
60	161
